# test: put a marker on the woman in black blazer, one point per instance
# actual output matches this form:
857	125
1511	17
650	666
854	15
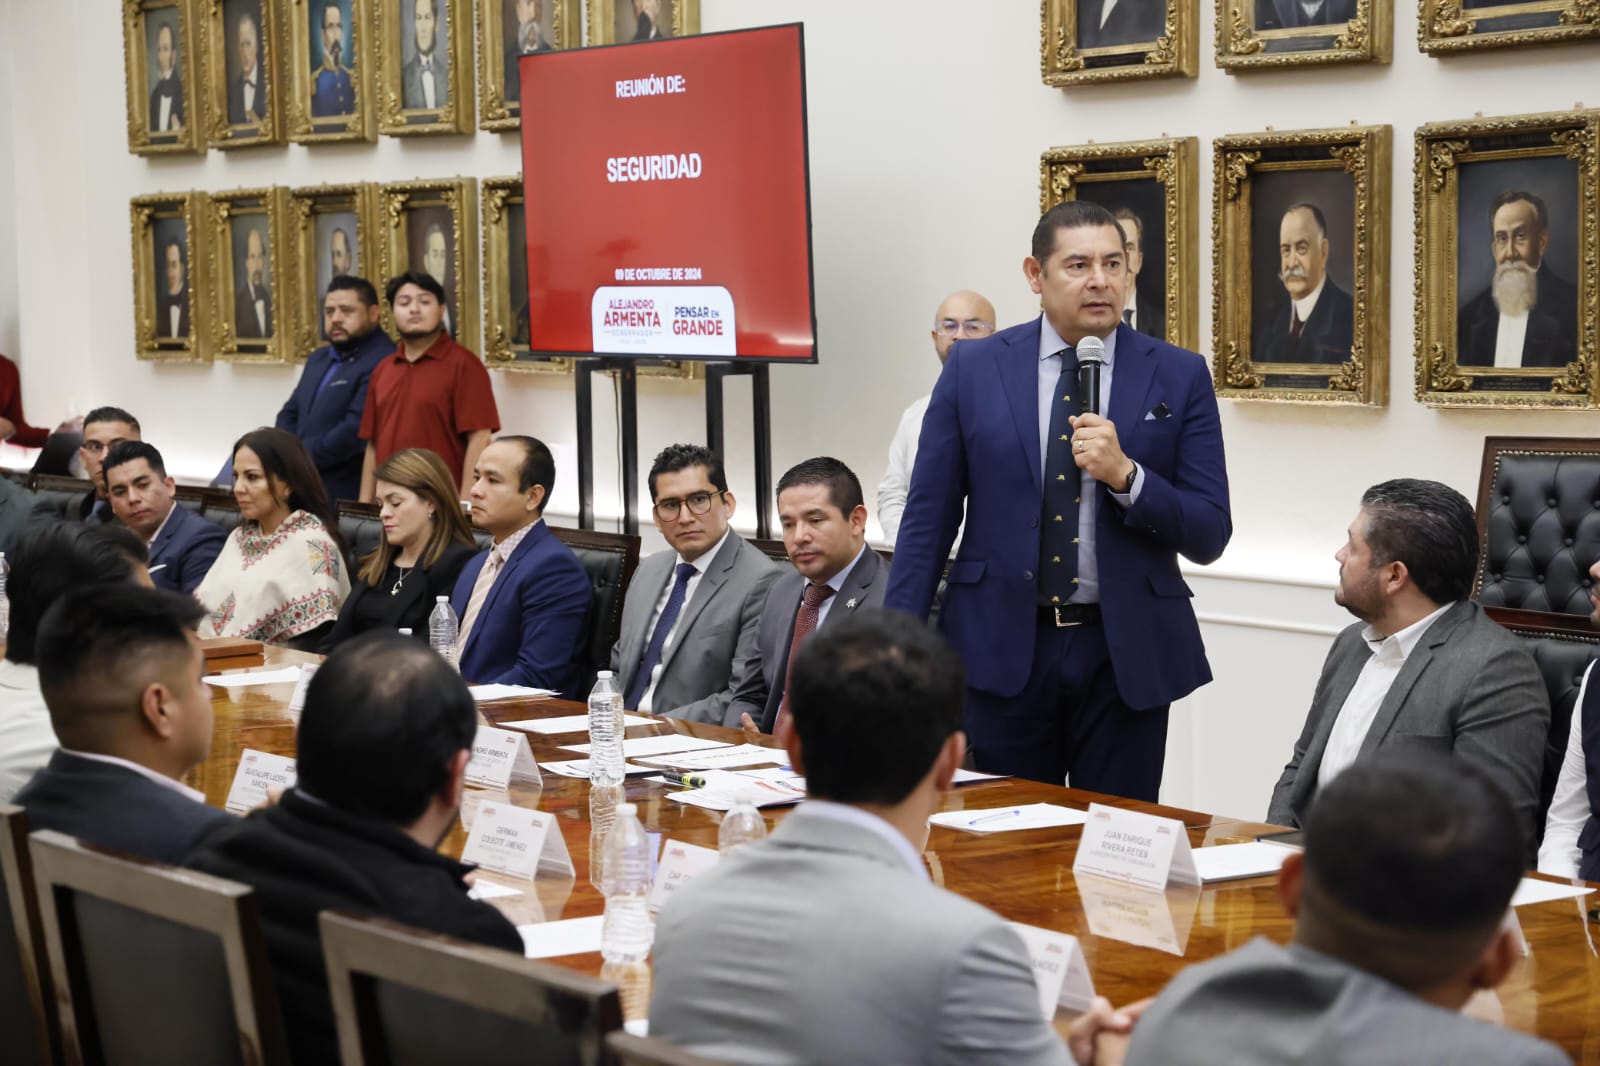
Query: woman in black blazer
426	541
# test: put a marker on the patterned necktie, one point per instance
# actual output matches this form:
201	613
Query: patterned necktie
805	624
658	636
480	592
1058	535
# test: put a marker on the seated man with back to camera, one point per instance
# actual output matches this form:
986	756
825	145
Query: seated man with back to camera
182	544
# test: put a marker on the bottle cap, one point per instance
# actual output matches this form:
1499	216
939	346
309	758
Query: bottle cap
405	632
603	675
442	599
627	808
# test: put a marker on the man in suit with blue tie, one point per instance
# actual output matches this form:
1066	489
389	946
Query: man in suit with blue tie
182	544
324	410
1065	601
522	603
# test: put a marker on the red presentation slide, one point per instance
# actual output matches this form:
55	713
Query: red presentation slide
668	208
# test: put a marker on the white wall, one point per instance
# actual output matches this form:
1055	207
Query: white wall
925	134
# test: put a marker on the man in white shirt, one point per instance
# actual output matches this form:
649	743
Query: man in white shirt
1571	844
1425	669
963	314
1527	316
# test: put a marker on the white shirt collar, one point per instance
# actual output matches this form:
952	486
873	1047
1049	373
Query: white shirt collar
703	563
840	812
1304	306
1401	644
143	771
163	524
1050	343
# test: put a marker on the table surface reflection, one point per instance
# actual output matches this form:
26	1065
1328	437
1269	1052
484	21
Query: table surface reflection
1134	940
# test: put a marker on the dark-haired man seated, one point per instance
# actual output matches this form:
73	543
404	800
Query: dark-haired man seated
120	667
182	544
381	754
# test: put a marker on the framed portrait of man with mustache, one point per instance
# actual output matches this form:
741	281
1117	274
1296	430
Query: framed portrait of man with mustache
332	62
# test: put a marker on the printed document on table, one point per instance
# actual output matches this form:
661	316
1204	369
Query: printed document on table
1006	819
723	789
722	758
283	675
1535	890
574	936
639	747
1231	862
485	693
571	723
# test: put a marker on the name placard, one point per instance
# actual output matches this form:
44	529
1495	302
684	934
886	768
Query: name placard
1059	968
1148	917
517	842
1137	849
258	771
680	863
498	755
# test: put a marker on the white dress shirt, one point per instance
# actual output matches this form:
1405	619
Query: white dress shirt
175	317
1559	855
836	582
1366	696
896	484
701	565
1105	12
164	106
1050	346
1509	337
27	739
143	771
427	83
261	309
841	812
1308	303
249	97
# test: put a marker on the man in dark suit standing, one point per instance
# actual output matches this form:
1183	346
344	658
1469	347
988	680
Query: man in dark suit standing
247	94
425	79
182	544
166	98
530	39
1317	325
1528	316
325	409
1065	601
252	303
1110	23
1146	310
172	307
835	572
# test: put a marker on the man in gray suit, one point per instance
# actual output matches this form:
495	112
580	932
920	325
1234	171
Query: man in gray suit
825	533
689	621
827	942
1428	671
1399	903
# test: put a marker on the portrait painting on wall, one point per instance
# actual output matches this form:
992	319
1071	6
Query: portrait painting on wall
425	51
1463	25
1117	40
248	228
1503	317
332	72
432	226
162	104
242	60
332	235
1255	34
507	31
168	276
505	280
1302	230
631	21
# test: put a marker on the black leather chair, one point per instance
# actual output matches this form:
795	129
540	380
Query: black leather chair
610	560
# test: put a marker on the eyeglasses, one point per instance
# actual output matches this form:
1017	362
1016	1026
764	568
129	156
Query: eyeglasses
95	447
972	327
697	502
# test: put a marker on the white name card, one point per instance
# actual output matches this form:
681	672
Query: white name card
680	863
258	771
297	702
498	755
1151	918
1059	968
517	842
1137	849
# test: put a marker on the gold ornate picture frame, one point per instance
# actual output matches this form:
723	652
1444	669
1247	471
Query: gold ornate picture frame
1300	240
164	106
244	105
433	226
505	281
502	40
332	232
1447	26
1508	286
1082	42
1273	34
632	21
425	73
330	73
250	275
170	256
1154	188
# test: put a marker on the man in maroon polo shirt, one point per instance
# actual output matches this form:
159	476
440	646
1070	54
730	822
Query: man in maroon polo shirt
432	393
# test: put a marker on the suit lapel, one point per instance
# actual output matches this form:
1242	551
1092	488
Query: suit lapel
635	633
1131	376
1019	377
710	582
1406	679
853	593
164	538
503	579
1338	691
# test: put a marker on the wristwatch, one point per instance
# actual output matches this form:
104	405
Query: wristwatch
1133	475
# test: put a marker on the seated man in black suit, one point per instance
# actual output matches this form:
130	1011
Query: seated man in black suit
383	746
120	668
182	545
1528	315
1317	322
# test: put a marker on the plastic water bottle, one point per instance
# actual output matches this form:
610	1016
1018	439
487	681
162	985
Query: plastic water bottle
742	825
443	628
605	732
627	932
603	802
5	601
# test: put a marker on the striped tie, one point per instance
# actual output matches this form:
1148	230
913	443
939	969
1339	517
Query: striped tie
480	592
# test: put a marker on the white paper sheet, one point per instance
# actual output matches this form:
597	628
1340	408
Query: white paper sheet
283	675
667	744
1007	819
1533	890
722	758
972	777
571	723
580	768
723	789
491	890
1231	862
485	693
546	940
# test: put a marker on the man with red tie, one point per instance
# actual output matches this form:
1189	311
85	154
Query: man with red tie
825	533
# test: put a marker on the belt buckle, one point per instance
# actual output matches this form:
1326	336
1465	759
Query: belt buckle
1059	623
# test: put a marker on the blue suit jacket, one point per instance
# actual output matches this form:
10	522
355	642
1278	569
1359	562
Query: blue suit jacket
530	630
980	445
184	550
329	422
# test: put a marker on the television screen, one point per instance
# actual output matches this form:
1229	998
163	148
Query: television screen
668	208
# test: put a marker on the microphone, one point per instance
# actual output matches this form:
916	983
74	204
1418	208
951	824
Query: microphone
1091	357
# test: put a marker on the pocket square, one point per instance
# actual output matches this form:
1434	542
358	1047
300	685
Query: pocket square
1160	410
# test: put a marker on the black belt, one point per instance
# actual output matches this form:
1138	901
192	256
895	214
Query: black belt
1069	614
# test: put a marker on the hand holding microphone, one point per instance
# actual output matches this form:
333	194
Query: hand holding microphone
1095	447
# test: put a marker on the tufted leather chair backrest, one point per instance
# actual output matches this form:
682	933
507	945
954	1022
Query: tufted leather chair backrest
1538	523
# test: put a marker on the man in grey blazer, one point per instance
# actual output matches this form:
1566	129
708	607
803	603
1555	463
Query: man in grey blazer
689	621
1399	901
827	942
824	523
1428	671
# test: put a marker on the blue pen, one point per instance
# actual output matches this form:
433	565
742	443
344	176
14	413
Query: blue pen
1012	813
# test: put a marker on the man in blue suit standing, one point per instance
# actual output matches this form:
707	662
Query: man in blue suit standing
324	410
522	603
1065	601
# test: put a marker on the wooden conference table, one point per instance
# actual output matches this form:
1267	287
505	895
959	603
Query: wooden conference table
1134	941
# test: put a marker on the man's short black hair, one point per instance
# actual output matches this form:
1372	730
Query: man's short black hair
844	488
383	718
110	414
1430	528
1511	196
538	466
873	698
361	287
420	278
1071	214
1316	215
676	457
126	451
48	563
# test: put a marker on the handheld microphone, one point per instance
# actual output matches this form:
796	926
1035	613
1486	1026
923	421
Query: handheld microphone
1091	357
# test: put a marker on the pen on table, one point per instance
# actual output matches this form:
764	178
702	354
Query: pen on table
686	780
1012	813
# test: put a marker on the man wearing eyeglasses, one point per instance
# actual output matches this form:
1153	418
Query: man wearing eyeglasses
102	428
690	619
963	315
